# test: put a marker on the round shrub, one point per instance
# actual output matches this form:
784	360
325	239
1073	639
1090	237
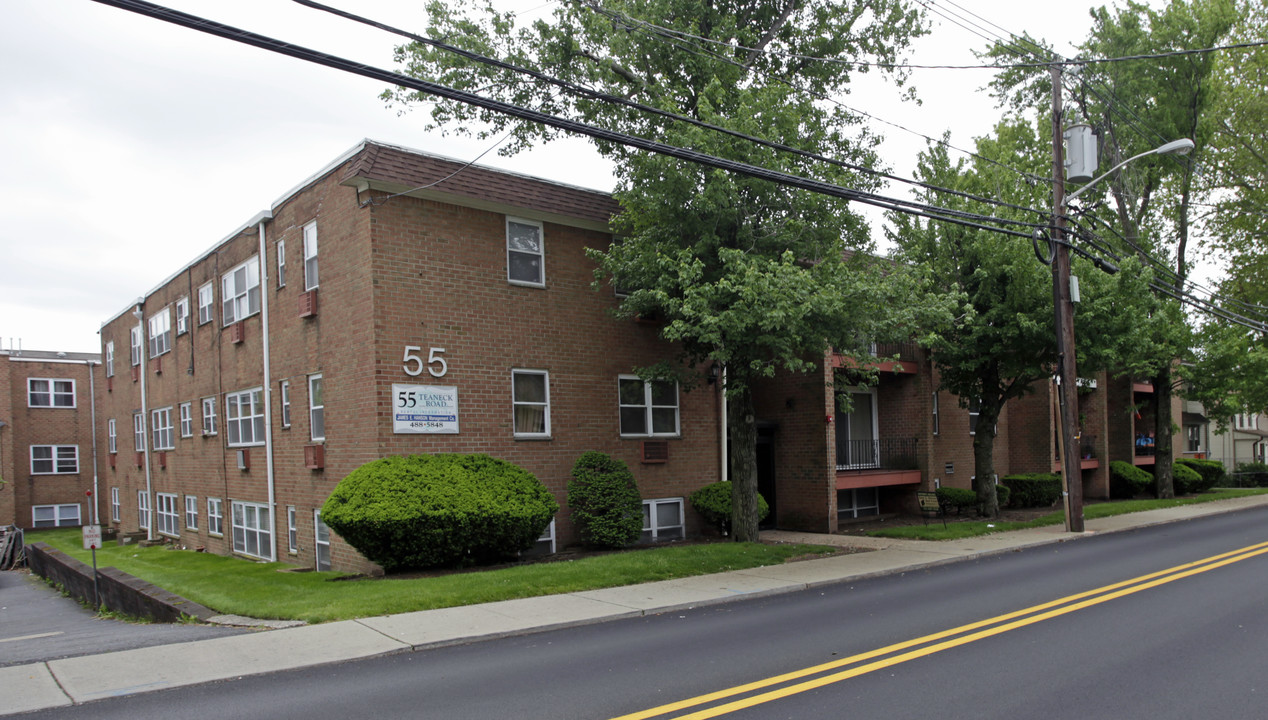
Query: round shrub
1127	481
958	498
1212	472
1029	490
1002	493
713	502
438	510
1185	480
606	506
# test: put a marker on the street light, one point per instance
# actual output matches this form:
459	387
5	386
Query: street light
1066	396
1176	147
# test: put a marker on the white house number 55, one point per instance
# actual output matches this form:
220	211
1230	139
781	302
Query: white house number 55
413	362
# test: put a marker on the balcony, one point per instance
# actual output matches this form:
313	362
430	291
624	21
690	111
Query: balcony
883	356
873	463
1087	454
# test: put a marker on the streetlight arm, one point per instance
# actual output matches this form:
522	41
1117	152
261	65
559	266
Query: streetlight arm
1181	147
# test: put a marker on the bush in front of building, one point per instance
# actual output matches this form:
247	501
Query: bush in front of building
605	503
958	498
1029	490
1002	494
442	510
1127	481
1212	472
1184	480
1252	474
713	502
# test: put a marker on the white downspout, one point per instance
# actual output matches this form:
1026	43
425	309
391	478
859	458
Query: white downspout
725	457
145	420
92	414
268	385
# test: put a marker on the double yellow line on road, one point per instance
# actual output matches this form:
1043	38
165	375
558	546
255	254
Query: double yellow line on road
818	676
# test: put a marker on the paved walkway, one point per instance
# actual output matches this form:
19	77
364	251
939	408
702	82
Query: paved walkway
59	683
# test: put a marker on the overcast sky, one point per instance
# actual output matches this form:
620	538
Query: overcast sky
130	145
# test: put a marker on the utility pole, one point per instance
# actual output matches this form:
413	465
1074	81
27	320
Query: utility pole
1067	393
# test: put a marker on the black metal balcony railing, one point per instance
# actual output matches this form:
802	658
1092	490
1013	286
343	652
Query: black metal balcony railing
1087	448
907	350
880	454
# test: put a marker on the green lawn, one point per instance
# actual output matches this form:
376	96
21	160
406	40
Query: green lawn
237	586
956	530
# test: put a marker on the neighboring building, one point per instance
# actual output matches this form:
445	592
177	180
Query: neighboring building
1244	440
47	456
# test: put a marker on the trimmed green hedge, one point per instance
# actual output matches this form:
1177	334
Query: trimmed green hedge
1002	494
1252	474
419	511
1184	479
958	498
713	502
1127	481
1212	472
1033	489
605	503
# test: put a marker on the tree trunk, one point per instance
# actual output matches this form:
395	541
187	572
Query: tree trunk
984	464
743	455
1162	433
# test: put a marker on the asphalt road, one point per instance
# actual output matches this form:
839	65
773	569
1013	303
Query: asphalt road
1190	643
38	623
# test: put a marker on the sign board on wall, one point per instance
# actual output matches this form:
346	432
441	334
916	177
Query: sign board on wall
429	409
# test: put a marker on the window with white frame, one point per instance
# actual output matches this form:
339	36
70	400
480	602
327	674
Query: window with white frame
135	336
50	393
858	502
1245	421
143	510
161	427
191	512
292	532
281	263
530	401
215	517
285	394
240	291
209	416
316	408
48	516
310	256
138	431
187	419
182	316
110	359
252	529
167	517
112	436
54	459
662	520
160	332
206	301
115	506
321	541
648	408
244	418
525	253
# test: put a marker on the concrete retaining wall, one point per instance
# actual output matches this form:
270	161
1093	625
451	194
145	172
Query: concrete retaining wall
117	590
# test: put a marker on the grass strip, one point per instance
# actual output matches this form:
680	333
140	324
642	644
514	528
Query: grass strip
234	585
974	528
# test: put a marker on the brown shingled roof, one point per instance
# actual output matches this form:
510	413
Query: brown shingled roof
399	166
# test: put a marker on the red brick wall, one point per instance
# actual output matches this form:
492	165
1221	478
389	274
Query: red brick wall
27	426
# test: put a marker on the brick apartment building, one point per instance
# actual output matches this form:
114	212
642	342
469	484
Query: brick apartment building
47	455
238	392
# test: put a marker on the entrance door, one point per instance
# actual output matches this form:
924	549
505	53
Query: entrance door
766	474
856	433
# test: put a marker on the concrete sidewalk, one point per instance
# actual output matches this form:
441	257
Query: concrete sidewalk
59	683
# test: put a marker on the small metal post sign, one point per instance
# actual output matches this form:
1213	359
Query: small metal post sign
431	409
92	541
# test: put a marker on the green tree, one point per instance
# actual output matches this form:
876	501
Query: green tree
1137	106
742	272
1002	341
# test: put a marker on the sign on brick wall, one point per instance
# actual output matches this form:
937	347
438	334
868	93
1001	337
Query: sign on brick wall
424	409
